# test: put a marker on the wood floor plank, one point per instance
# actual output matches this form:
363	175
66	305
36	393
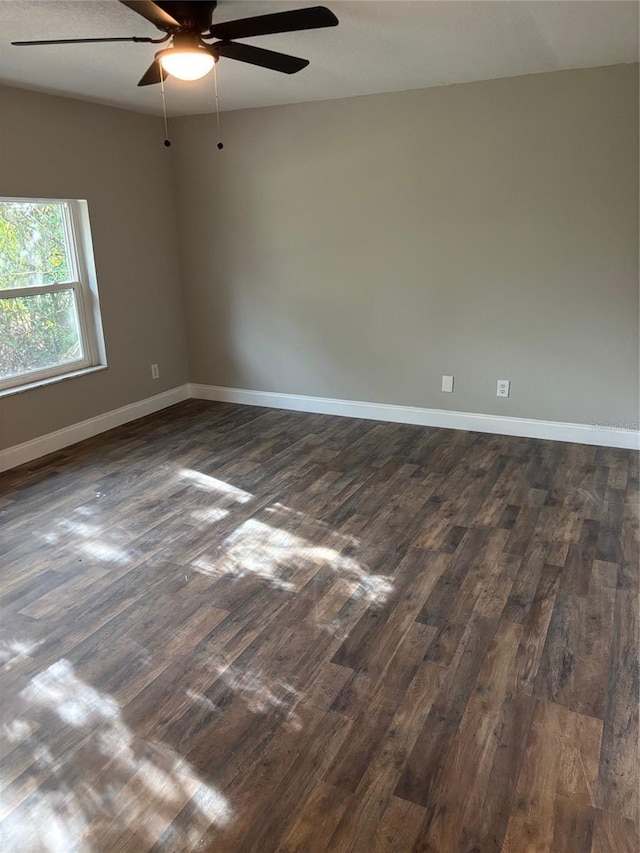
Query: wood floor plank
572	826
557	788
305	772
437	605
425	764
485	830
614	834
399	827
531	824
369	727
316	821
575	662
463	783
619	780
359	824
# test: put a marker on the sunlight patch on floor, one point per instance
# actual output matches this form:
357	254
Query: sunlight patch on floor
260	698
287	561
10	649
91	539
204	481
58	688
18	730
106	785
210	516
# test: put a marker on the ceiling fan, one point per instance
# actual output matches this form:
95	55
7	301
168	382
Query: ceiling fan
187	26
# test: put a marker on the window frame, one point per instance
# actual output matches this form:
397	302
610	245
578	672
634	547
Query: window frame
85	290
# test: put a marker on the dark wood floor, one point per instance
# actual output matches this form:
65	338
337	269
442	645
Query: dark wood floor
237	629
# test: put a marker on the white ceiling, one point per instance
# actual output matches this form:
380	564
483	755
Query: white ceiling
379	46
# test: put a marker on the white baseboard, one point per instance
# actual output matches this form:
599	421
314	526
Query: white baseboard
525	427
53	441
471	421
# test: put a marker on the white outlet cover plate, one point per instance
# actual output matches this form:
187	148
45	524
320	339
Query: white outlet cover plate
503	388
447	384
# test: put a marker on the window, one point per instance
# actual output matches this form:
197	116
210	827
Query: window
49	312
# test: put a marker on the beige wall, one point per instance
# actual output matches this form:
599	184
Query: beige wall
62	148
355	249
361	248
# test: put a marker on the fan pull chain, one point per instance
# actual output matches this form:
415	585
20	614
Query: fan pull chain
215	85
167	141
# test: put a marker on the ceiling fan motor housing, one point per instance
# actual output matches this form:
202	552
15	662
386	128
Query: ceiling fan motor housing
186	41
193	17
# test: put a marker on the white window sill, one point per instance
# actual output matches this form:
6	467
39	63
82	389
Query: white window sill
18	389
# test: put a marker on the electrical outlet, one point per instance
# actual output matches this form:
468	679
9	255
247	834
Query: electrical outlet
447	384
155	371
504	387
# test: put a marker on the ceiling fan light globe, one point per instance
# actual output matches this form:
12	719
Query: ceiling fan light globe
187	64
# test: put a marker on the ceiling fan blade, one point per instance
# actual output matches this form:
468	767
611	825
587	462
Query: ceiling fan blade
280	22
79	41
258	56
153	13
154	73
